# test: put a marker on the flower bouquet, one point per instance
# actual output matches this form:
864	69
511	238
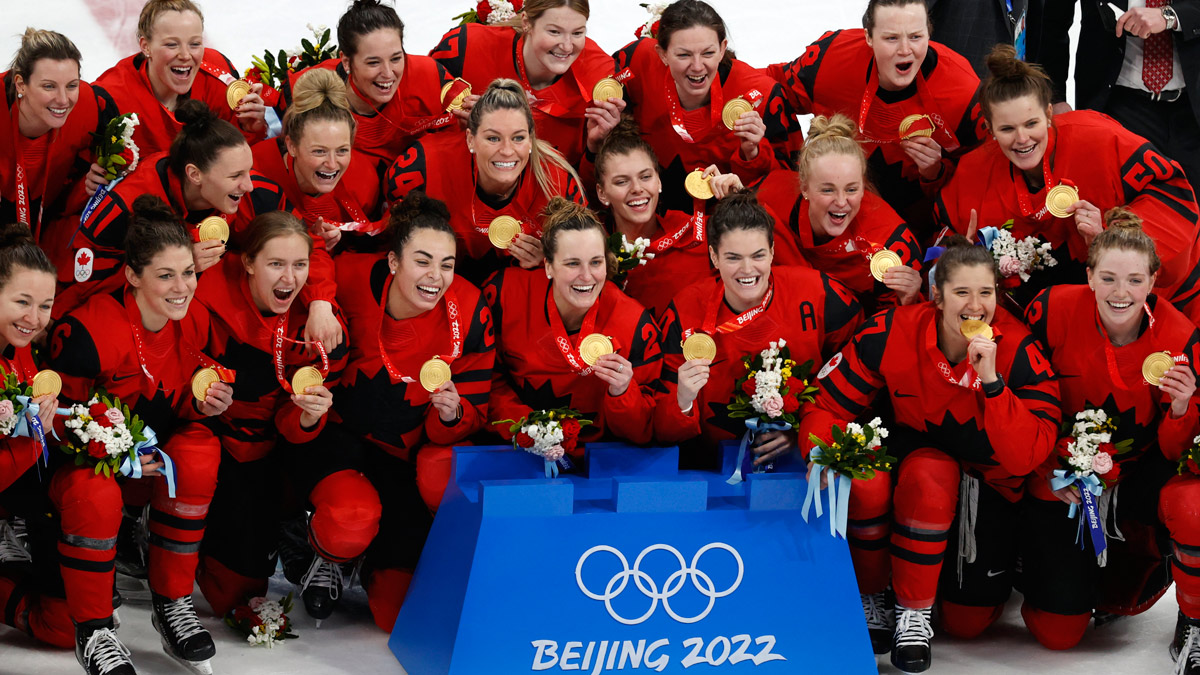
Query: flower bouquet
629	254
768	397
115	150
1087	460
274	70
1017	258
650	28
491	12
262	621
105	434
18	412
550	434
858	452
1190	460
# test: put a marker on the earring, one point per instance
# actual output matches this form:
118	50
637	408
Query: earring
20	95
471	150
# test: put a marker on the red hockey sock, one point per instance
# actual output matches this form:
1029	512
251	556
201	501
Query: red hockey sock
225	589
868	527
345	518
1055	631
385	594
966	622
177	524
90	506
923	506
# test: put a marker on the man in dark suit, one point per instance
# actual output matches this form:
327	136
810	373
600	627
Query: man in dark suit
973	27
1138	61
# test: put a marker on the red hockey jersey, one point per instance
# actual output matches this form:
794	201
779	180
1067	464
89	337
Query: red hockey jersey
812	312
1110	167
675	265
241	338
654	104
836	74
392	412
533	374
480	54
18	454
1001	438
442	166
129	85
1093	373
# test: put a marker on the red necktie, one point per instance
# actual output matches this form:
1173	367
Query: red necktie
1156	56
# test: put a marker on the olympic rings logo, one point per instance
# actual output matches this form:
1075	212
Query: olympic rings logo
673	585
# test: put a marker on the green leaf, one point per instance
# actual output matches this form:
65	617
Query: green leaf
99	468
306	45
325	36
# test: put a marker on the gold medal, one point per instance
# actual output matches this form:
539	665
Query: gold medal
1059	199
733	110
606	89
882	261
201	382
456	103
45	382
434	373
699	346
213	227
593	347
305	379
235	92
972	327
503	230
908	122
1155	366
697	186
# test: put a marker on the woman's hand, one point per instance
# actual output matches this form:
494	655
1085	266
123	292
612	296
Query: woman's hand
601	117
616	370
721	184
1088	219
252	110
905	281
527	249
322	325
47	407
1180	383
152	465
313	405
1068	494
94	179
751	128
207	253
926	154
329	233
771	445
217	400
982	354
693	375
447	402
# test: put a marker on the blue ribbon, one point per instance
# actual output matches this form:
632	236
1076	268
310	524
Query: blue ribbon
1090	488
92	203
30	426
987	236
551	468
133	468
754	427
839	496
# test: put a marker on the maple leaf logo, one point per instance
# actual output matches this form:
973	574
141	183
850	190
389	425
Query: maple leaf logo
83	258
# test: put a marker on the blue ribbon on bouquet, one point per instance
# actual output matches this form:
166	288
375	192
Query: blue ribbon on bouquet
149	446
839	495
754	427
30	426
92	203
553	466
1090	488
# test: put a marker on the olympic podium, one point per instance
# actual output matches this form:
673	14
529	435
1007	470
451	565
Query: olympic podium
634	565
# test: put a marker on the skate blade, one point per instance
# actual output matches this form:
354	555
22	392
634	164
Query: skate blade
133	589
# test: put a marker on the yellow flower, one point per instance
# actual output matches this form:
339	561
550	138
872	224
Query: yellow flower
786	372
114	139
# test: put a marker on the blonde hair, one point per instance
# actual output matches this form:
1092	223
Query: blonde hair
830	136
319	95
1123	232
506	94
38	44
156	8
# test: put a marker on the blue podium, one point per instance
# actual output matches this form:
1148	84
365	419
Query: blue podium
635	566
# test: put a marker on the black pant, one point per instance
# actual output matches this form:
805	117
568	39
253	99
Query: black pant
988	581
1171	127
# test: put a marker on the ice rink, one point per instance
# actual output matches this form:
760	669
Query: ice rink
762	31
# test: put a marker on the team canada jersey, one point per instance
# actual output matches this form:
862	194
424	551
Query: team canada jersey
442	166
129	85
1002	437
1093	373
52	183
532	372
381	401
354	203
18	454
674	266
1109	166
242	339
812	312
688	140
415	109
479	54
846	257
836	74
99	345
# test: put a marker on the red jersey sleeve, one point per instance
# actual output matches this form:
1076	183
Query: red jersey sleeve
631	415
1022	420
799	77
472	376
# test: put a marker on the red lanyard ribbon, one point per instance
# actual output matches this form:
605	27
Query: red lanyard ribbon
22	176
695	225
1024	199
341	194
559	331
970	379
134	313
716	104
551	108
1110	353
945	139
456	337
419	124
280	331
741	320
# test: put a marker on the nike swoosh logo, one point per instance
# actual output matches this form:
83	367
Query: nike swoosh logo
902	395
118	378
994	574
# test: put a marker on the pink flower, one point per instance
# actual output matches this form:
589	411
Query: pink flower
1102	463
555	453
773	406
6	410
115	416
1010	266
257	602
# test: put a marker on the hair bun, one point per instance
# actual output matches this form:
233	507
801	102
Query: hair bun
152	207
1120	217
14	234
1003	64
416	205
954	241
837	126
194	114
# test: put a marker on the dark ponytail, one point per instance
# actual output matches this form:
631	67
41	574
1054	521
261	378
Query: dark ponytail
203	137
18	250
153	227
740	210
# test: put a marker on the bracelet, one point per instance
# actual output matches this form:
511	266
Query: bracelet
688	410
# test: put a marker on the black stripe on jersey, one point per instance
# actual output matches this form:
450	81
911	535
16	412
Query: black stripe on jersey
473	376
917	558
1048	416
841	399
624	56
855	380
920	534
451	51
841	305
173	545
1037	395
804	77
1184	210
88	565
868	544
871	341
175	522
